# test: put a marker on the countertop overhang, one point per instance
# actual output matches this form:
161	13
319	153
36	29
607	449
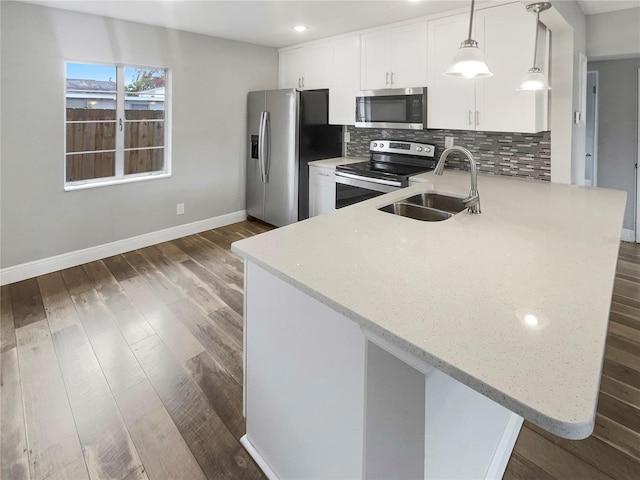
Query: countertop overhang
513	302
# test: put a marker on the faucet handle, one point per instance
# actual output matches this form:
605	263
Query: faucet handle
472	202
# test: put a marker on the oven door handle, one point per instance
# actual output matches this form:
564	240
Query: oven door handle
365	182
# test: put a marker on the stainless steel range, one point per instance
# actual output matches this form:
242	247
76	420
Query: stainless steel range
391	164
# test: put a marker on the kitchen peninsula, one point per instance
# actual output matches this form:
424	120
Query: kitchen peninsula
379	344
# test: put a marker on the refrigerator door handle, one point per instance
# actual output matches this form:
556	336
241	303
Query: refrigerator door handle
266	158
262	151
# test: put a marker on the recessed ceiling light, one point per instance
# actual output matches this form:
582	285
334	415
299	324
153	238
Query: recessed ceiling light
299	28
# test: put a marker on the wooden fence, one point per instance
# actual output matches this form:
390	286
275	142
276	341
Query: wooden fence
144	130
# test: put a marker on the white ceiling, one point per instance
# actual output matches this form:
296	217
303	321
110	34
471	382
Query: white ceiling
269	22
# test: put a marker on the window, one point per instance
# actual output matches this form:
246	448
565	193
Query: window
116	124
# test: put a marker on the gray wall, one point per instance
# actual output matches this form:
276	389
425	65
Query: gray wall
614	34
211	78
618	128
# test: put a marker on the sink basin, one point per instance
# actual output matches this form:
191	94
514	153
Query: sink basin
437	201
427	207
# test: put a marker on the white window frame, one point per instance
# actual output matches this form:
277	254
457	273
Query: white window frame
120	176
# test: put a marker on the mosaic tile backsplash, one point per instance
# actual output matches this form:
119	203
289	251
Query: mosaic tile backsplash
525	155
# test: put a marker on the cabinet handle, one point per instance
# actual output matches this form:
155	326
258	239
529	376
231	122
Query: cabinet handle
470	117
386	78
392	79
302	82
299	82
323	174
477	117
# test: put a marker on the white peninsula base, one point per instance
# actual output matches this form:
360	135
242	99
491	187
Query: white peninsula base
325	398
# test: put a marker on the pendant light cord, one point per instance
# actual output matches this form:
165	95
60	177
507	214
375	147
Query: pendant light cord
471	20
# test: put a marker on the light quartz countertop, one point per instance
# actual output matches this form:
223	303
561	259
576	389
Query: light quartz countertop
513	302
334	162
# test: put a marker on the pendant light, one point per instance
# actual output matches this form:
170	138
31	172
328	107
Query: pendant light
469	61
534	79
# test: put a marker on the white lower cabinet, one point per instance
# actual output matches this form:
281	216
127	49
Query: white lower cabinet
322	190
326	398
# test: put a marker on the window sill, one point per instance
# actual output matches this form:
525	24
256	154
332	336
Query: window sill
70	187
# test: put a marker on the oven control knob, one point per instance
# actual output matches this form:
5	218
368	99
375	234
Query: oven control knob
419	149
381	145
375	144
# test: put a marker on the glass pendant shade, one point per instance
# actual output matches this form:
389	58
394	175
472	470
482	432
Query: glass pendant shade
534	79
468	62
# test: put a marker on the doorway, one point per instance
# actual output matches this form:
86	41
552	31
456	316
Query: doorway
591	134
638	162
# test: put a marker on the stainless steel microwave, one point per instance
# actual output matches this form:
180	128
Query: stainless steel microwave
392	108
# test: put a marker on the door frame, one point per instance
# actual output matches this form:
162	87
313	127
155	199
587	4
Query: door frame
637	225
594	154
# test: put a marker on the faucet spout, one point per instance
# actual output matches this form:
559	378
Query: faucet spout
472	202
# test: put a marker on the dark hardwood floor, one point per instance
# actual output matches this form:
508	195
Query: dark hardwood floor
128	367
131	367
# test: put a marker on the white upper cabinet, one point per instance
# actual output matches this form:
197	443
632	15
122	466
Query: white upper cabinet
374	54
345	80
394	57
408	47
506	35
291	68
509	36
451	101
307	67
318	71
416	54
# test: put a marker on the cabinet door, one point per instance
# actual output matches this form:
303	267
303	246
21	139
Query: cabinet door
322	190
345	81
318	66
451	101
408	47
291	68
374	55
509	35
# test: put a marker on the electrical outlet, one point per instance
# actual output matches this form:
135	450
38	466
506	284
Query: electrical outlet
180	209
448	142
347	137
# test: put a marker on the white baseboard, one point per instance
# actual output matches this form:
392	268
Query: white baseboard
264	466
503	452
628	235
32	269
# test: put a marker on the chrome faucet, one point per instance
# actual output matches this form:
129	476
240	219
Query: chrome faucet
472	202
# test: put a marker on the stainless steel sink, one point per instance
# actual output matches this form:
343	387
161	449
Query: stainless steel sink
428	207
438	201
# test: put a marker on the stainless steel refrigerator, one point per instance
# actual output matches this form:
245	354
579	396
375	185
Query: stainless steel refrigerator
287	130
